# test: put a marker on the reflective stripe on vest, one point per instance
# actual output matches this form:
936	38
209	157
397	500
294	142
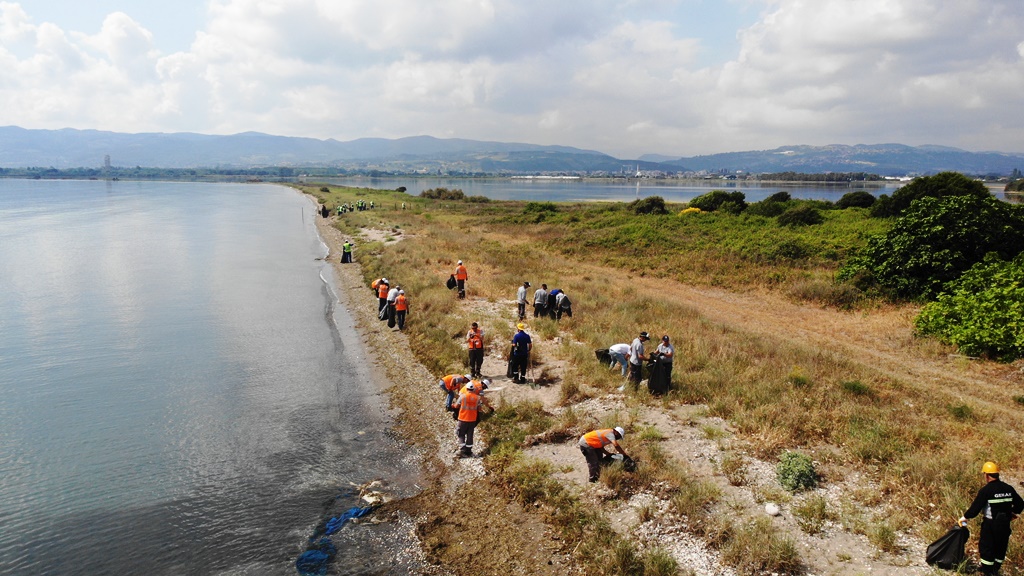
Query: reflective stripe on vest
599	438
401	304
460	273
476	340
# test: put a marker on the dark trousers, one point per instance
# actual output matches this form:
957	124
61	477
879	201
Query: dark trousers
995	536
519	367
462	288
538	310
594	457
636	373
400	319
522	310
560	311
476	360
382	302
346	257
464	430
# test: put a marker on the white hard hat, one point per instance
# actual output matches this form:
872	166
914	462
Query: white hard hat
401	291
384	280
471	386
622	433
468	376
460	261
486	382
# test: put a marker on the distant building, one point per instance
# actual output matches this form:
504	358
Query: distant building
106	161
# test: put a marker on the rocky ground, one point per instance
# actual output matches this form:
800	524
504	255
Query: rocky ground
496	536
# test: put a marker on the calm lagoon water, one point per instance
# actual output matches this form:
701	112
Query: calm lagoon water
178	393
612	190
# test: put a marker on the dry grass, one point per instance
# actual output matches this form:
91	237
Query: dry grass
919	437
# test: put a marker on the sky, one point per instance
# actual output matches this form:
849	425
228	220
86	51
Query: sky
624	77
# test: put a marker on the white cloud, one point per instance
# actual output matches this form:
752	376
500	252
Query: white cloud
617	77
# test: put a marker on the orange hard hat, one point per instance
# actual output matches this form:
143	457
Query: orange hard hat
990	468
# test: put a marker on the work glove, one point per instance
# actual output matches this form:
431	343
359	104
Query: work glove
962	521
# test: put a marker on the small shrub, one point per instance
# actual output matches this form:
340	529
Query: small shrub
767	209
1019	400
857	388
839	294
803	215
884	538
796	472
401	189
812	514
781	196
797	378
478	199
713	200
695	496
690	210
648	205
858	199
325	189
537	207
961	412
658	562
734	467
443	194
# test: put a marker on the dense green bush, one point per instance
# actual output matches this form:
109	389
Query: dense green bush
942	185
781	196
1015	186
768	209
802	215
648	205
935	242
713	200
796	472
858	199
982	312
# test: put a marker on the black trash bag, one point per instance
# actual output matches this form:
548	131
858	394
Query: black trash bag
391	316
658	383
948	551
452	283
383	314
628	464
603	355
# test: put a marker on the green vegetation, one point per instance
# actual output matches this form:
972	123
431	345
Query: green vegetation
443	194
982	310
732	202
802	215
943	185
858	199
796	472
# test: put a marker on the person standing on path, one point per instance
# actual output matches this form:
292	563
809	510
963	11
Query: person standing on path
636	359
592	446
540	300
475	343
383	287
468	407
620	356
346	252
666	354
460	279
521	300
522	345
998	503
401	308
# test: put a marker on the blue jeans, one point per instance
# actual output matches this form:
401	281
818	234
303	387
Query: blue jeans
619	359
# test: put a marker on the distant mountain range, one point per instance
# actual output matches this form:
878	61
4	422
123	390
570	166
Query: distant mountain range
70	148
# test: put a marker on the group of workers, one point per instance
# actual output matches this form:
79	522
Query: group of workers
632	356
552	304
392	303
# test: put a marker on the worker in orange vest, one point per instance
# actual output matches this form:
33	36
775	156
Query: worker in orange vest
383	287
592	445
401	307
460	278
468	406
475	343
452	384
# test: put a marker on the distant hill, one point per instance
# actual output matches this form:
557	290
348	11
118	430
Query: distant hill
70	148
883	159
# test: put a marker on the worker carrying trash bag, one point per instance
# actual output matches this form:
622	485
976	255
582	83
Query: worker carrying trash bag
592	446
998	503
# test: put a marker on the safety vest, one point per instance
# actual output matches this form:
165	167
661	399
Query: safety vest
599	438
346	247
382	290
400	303
375	284
460	273
468	403
475	339
453	381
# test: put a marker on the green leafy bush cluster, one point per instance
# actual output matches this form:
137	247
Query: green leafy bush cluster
858	199
936	241
983	311
942	185
801	215
796	472
443	194
717	198
648	205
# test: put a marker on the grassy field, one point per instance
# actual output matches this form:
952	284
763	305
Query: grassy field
917	425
